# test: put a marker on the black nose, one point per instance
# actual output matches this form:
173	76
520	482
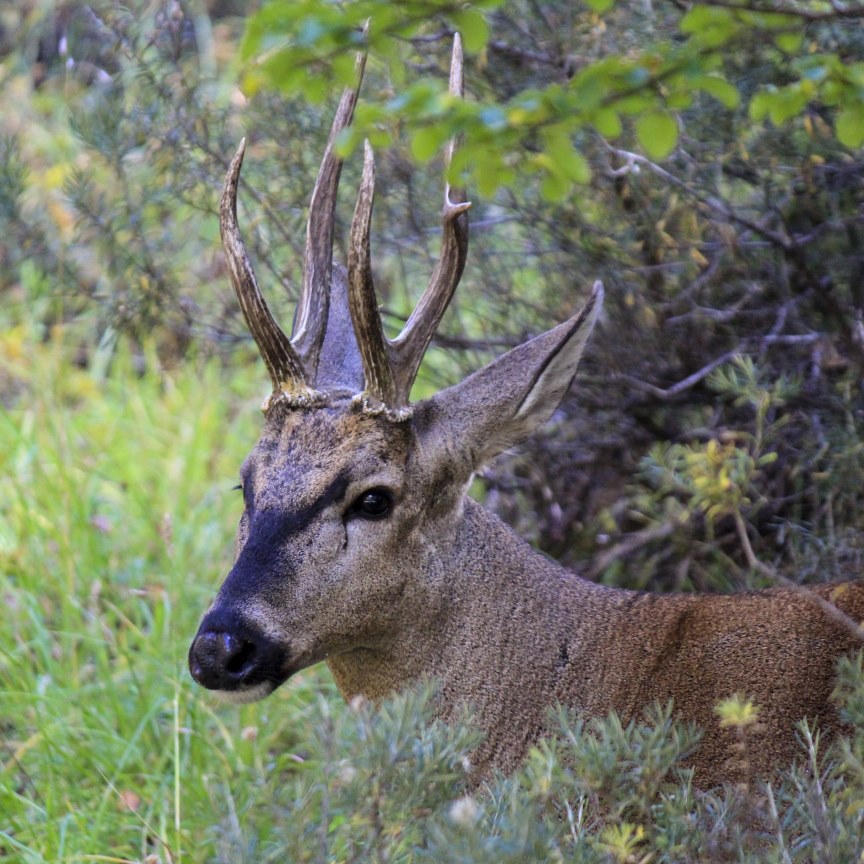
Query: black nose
227	656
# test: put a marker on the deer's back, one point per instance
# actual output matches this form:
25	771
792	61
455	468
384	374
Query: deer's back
778	648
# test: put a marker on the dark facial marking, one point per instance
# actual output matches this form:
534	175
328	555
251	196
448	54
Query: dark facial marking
268	531
278	526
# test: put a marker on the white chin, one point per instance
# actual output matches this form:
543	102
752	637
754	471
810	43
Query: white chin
240	697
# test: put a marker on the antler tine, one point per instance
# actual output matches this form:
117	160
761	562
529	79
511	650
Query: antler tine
409	347
362	302
311	318
286	369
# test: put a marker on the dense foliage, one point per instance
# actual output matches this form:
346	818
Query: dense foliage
704	160
746	241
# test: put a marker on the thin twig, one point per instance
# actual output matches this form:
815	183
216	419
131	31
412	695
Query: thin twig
686	383
838	10
633	159
631	544
829	608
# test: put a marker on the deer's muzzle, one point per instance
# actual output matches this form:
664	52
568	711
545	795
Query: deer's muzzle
228	656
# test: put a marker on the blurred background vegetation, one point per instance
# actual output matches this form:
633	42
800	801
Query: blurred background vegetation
703	160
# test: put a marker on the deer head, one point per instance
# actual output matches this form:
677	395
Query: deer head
353	496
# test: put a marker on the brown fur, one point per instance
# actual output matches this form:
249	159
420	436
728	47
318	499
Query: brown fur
499	646
443	589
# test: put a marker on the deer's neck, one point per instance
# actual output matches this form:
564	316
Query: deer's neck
508	614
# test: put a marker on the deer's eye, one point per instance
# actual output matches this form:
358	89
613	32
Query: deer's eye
372	504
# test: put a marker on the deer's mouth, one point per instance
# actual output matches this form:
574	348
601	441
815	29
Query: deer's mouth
255	693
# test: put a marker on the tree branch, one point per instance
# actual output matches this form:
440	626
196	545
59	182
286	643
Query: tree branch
837	10
633	160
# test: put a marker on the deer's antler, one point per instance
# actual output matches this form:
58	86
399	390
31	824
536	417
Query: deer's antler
390	367
286	369
293	364
311	320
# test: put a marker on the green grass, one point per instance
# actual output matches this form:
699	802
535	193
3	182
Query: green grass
116	525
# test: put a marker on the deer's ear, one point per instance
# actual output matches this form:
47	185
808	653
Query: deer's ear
503	403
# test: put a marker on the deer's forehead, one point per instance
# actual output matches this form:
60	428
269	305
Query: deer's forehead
301	454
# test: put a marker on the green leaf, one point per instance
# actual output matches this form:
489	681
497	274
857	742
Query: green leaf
347	141
657	132
771	20
425	142
552	189
460	164
760	104
599	6
419	99
709	25
787	103
282	71
380	139
850	126
679	100
635	103
562	159
473	27
315	88
343	69
607	123
780	105
790	43
487	174
724	92
577	167
397	72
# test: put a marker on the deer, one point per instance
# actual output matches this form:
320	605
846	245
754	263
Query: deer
359	546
